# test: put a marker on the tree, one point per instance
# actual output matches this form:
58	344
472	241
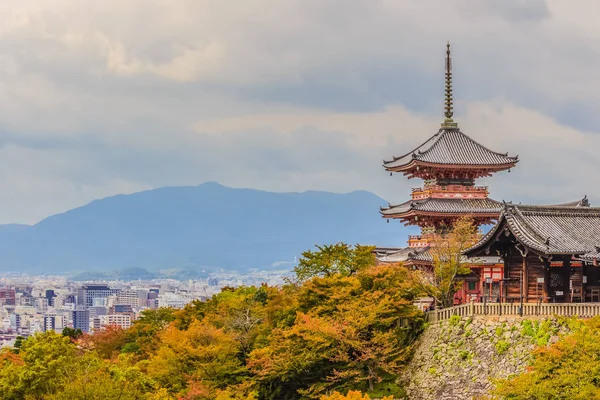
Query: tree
74	334
346	335
142	338
157	318
44	362
352	395
107	343
201	356
94	378
18	344
338	258
568	369
444	279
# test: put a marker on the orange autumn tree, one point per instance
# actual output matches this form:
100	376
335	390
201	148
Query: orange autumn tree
444	278
346	335
107	343
201	356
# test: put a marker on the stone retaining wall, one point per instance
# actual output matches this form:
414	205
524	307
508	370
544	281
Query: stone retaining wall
460	358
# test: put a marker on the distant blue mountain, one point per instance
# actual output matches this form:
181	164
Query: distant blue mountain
208	226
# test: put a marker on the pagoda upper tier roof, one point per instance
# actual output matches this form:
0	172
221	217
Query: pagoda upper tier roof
547	230
450	148
444	206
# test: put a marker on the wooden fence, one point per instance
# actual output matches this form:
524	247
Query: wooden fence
581	310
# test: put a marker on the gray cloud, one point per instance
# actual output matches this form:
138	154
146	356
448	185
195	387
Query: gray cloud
108	97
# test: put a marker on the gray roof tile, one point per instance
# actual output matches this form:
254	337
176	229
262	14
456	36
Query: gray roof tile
450	206
567	229
422	254
451	146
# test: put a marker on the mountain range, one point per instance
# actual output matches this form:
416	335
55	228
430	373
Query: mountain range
205	227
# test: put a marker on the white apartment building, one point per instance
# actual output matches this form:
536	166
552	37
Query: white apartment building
133	297
122	320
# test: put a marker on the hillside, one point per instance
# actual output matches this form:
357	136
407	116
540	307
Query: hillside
206	226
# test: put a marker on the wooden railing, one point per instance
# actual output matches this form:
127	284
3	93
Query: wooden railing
581	310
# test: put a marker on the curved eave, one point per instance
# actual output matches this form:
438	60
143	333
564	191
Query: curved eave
530	239
473	250
458	214
413	164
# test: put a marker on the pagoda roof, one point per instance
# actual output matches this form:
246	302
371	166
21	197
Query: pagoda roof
401	254
548	230
444	206
450	147
422	255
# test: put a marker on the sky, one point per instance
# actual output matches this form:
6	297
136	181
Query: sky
105	97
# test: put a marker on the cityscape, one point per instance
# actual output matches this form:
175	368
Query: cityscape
33	303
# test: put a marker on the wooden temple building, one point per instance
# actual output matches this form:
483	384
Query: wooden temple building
550	253
449	163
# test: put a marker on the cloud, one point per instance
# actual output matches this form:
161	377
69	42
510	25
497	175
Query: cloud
99	98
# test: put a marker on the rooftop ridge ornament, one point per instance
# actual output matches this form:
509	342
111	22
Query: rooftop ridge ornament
448	107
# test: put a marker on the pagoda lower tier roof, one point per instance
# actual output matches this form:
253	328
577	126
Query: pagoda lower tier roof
449	207
422	255
449	147
547	230
593	255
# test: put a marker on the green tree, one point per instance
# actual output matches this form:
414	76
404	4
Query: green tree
338	258
97	379
444	279
18	344
46	360
74	334
142	338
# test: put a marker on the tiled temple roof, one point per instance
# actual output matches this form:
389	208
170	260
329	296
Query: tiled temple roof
451	146
548	230
403	254
423	255
592	255
446	206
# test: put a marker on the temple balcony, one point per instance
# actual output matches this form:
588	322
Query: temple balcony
450	192
424	240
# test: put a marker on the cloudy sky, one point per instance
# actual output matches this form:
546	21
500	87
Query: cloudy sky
105	97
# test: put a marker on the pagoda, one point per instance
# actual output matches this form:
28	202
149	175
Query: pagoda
534	253
449	163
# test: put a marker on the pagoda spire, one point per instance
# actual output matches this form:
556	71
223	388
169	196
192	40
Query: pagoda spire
448	108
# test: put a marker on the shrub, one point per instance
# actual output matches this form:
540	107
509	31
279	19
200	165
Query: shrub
502	346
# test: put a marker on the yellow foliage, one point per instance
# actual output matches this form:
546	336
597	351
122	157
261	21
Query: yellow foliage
352	395
335	332
160	394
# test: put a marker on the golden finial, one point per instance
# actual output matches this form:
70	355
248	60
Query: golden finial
448	108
